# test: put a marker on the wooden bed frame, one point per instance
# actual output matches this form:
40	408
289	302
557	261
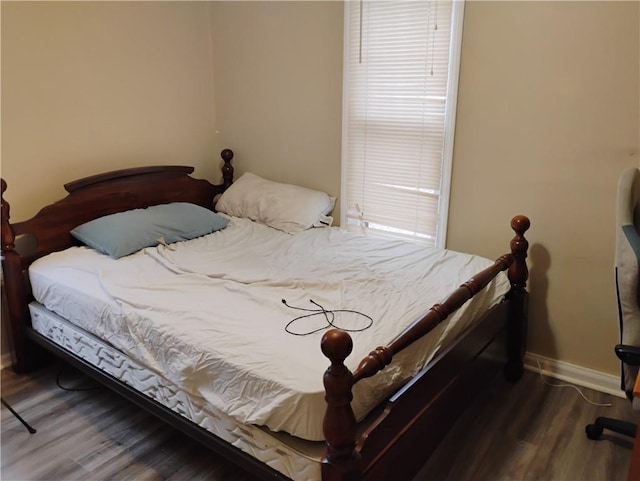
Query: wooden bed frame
411	423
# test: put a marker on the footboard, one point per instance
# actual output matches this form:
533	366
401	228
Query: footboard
439	387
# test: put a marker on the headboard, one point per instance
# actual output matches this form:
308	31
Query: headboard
109	193
88	198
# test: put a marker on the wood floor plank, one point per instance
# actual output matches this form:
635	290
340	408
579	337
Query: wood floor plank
532	431
526	431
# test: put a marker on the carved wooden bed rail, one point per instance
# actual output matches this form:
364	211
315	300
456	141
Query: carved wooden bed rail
342	460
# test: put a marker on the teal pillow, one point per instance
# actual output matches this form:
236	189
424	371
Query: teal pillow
119	235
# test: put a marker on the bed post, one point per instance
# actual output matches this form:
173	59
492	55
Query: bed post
227	168
14	288
518	300
341	462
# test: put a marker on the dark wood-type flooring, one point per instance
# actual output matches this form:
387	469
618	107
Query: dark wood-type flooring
528	431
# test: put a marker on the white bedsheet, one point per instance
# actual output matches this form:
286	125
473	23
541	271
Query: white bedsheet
207	314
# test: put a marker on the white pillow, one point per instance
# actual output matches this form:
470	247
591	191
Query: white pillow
285	207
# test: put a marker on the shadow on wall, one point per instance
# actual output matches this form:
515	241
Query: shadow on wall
539	328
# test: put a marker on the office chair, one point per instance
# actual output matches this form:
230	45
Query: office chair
627	276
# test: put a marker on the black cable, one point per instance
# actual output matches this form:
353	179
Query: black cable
325	313
24	423
80	389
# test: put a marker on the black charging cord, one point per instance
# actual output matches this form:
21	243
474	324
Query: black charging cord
24	423
69	389
329	316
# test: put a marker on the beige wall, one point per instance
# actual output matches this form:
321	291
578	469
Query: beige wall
278	77
548	115
94	86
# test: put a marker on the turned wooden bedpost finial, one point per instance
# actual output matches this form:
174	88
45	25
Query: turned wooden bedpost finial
227	168
341	461
8	237
518	271
518	300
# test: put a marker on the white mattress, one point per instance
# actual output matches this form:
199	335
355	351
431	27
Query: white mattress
293	457
207	315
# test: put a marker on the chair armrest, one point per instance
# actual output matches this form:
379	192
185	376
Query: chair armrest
628	354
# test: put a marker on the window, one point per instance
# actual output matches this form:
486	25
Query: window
400	88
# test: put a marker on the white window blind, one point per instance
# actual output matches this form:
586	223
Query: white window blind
401	66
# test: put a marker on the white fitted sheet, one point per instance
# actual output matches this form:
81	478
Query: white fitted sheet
293	457
207	314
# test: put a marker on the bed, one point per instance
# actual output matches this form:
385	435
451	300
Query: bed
298	351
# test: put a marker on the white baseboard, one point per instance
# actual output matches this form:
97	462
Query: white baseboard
582	376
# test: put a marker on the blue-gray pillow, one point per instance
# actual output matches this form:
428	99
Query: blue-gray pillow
119	235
